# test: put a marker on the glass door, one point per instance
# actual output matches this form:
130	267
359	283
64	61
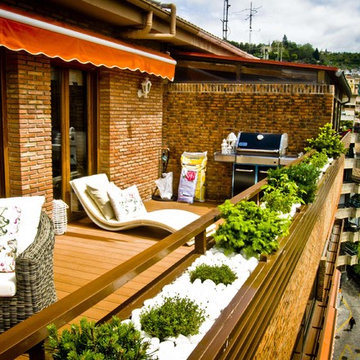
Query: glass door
2	126
72	112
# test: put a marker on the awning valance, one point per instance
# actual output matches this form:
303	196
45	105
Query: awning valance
20	32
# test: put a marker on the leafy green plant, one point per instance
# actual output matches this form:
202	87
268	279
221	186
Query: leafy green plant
318	159
249	228
327	141
111	341
218	274
174	317
304	174
346	125
281	193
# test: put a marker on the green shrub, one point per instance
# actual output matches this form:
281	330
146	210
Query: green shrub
304	174
218	274
346	125
281	193
327	141
318	159
249	228
174	317
111	341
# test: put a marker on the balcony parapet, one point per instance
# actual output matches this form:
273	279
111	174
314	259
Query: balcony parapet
350	188
350	212
348	236
347	260
351	163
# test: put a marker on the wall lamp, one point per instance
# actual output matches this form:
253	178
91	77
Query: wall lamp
145	88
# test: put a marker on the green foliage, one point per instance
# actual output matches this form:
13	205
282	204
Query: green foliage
304	53
356	268
218	274
174	317
304	174
249	228
327	141
281	193
346	125
110	341
318	159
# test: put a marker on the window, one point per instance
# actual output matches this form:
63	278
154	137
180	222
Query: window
2	127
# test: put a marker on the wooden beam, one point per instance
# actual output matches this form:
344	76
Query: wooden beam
208	66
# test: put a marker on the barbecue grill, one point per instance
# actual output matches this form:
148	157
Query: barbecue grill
255	154
260	148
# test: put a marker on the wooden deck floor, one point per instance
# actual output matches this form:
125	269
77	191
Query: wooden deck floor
85	252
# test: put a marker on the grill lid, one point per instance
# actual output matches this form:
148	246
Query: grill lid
261	143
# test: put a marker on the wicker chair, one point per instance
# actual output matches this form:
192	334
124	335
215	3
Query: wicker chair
34	279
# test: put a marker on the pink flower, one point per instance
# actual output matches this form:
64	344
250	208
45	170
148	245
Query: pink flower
190	175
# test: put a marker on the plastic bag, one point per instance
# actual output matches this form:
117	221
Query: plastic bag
165	184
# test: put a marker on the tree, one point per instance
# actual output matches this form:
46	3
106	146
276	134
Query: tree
285	41
316	55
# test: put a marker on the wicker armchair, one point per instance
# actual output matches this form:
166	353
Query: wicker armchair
34	279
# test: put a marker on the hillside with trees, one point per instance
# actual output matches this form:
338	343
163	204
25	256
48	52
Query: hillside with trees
286	50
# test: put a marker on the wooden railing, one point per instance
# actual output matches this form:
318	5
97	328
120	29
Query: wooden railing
238	330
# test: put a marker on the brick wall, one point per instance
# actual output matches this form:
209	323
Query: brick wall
130	130
29	125
198	116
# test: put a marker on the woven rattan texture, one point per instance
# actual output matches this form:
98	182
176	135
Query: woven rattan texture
34	278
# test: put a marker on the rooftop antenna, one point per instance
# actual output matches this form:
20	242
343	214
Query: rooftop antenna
225	19
252	13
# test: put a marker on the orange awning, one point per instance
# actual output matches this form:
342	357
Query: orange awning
20	32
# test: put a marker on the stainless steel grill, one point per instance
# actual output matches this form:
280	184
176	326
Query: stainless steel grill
255	154
260	148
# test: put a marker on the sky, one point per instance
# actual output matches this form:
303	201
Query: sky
332	25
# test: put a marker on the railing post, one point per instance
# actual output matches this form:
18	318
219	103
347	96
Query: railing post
37	352
200	243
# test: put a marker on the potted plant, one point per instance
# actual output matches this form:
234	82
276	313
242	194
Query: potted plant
328	141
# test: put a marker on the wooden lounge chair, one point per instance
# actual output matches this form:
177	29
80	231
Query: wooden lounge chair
167	219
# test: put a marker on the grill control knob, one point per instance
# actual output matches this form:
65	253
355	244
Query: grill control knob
260	137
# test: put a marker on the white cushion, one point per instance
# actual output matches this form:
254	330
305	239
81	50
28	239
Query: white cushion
7	284
127	203
30	207
101	199
9	225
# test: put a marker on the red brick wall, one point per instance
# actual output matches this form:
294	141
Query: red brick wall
198	116
130	130
29	125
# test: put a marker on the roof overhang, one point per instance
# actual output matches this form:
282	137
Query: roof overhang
36	36
230	63
131	14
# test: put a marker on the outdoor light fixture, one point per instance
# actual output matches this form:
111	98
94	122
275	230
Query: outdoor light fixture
145	88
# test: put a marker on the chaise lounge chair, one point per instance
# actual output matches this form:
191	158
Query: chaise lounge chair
167	219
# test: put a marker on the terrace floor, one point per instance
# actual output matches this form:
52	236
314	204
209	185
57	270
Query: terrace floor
85	252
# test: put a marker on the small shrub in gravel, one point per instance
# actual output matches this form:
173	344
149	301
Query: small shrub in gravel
218	274
174	317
